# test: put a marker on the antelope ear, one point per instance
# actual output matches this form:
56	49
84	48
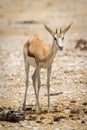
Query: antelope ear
67	28
49	30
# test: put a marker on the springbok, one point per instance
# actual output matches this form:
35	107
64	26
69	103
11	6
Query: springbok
41	55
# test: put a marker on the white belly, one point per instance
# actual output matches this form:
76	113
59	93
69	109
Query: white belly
44	65
31	61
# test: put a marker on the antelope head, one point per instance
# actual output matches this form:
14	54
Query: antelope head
58	37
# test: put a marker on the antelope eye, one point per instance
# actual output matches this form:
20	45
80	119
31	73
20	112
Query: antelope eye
62	38
54	38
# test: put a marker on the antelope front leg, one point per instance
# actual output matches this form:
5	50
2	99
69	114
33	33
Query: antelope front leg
34	82
27	83
48	86
38	89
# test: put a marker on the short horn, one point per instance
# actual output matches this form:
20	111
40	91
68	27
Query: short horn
60	30
56	30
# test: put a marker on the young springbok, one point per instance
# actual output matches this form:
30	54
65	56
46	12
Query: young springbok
41	55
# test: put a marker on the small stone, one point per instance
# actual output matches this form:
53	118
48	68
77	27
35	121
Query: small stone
29	127
42	118
16	128
23	123
31	118
35	128
75	81
74	111
67	111
1	126
85	111
73	101
38	121
57	129
51	123
68	127
70	115
85	103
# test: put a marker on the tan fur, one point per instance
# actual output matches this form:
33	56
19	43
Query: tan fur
37	49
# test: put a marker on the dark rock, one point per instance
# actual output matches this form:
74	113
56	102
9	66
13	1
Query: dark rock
42	118
85	103
85	111
82	121
73	101
81	44
12	116
57	118
51	123
38	121
73	118
74	111
70	115
32	118
62	117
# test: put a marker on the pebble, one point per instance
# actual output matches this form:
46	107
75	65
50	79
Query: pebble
23	123
82	121
73	101
57	129
16	128
56	118
70	115
85	103
42	118
85	111
38	121
75	81
1	126
32	118
74	111
68	127
67	111
29	127
51	123
35	128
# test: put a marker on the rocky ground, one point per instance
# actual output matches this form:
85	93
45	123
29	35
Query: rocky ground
68	92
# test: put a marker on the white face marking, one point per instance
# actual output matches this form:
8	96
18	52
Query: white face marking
60	42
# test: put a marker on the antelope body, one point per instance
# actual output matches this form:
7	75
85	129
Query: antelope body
39	54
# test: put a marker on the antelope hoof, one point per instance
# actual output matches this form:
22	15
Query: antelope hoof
23	108
48	110
38	110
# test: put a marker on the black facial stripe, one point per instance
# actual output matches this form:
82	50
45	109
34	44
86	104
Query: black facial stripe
55	40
